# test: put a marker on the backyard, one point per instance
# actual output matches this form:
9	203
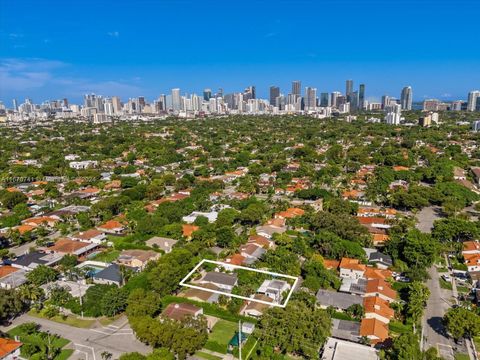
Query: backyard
221	335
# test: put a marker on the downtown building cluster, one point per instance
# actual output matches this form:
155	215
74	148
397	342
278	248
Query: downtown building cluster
101	109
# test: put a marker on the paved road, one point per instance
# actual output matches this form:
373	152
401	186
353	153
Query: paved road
426	217
434	333
88	344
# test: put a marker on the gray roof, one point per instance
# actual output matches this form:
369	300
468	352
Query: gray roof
111	273
163	243
353	286
346	330
220	278
381	258
337	299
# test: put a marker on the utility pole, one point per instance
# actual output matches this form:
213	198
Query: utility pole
240	339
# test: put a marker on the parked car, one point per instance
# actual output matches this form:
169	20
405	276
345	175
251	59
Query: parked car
447	278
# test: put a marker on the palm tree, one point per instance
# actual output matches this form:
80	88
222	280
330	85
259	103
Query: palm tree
106	355
31	293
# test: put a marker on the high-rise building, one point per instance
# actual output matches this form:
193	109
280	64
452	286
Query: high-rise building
117	104
406	98
296	87
249	93
476	126
15	104
176	100
393	115
353	101
274	93
334	99
361	96
207	94
310	98
348	88
473	101
324	99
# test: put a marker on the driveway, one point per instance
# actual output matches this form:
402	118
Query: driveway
116	338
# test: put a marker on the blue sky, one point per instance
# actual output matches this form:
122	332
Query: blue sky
55	49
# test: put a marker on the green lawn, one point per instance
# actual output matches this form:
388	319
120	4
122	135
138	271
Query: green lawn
445	284
462	357
399	328
36	339
206	356
107	256
68	320
221	335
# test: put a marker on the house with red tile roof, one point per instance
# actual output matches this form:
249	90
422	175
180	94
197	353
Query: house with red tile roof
351	268
377	308
380	288
9	349
112	227
375	330
180	311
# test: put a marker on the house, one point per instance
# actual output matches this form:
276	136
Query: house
379	259
72	247
47	221
137	258
375	330
353	286
351	268
9	349
251	252
110	275
188	230
268	230
201	295
260	241
346	330
336	349
374	273
377	308
180	311
254	308
471	247
112	227
32	260
81	165
11	277
290	213
211	216
381	289
220	279
459	173
162	243
472	261
91	236
338	300
274	289
234	260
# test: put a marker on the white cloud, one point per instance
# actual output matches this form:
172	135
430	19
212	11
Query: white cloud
113	34
24	75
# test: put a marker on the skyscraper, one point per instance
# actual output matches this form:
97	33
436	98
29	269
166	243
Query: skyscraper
334	97
249	93
274	93
324	99
15	105
406	98
310	98
361	96
348	88
473	97
207	94
296	87
176	100
353	101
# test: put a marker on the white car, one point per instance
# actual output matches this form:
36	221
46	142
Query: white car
446	278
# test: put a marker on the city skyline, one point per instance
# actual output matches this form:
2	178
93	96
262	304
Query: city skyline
155	46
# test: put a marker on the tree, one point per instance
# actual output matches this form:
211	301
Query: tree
11	304
405	347
141	303
418	295
297	329
41	275
105	355
10	199
452	229
461	322
114	301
